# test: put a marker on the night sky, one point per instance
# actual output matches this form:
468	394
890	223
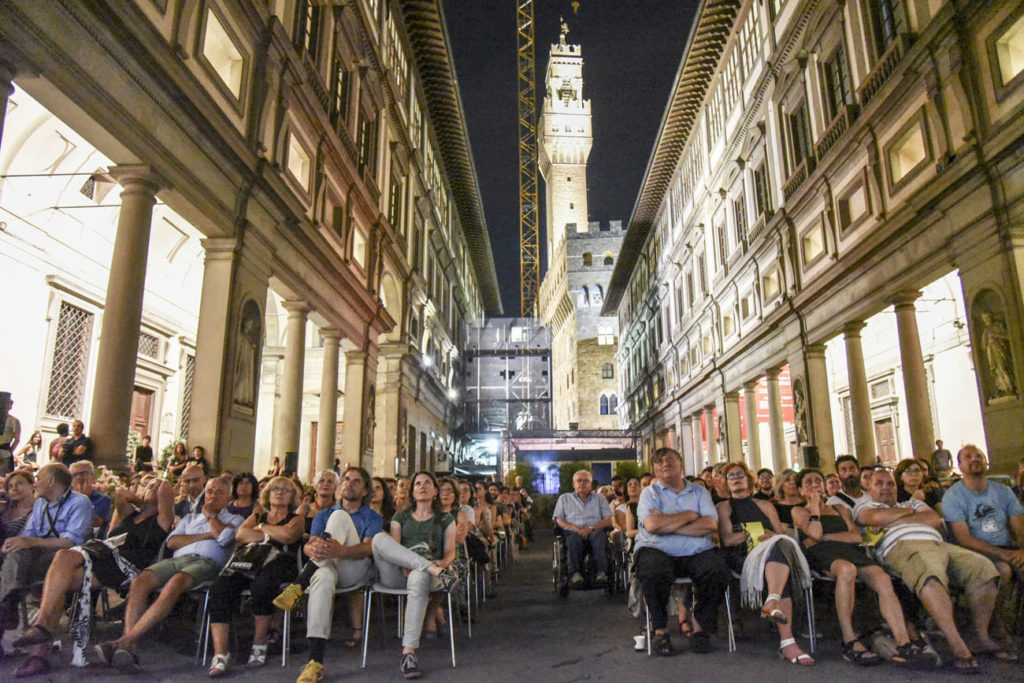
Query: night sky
631	51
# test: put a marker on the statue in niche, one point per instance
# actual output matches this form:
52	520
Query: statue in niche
799	411
993	347
247	350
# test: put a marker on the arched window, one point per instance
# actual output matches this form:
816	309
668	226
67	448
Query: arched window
588	258
607	371
604	404
583	296
609	258
598	295
613	404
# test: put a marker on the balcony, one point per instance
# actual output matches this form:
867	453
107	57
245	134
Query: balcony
757	228
883	69
839	125
797	178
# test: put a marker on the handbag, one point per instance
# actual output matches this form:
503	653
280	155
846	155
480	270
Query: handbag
249	559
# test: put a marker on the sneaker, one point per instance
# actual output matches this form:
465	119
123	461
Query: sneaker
126	661
662	645
289	597
576	580
311	673
702	643
105	651
600	578
409	667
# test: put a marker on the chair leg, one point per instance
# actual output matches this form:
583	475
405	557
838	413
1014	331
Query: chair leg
366	623
401	615
469	609
809	596
203	629
728	616
647	624
286	637
451	628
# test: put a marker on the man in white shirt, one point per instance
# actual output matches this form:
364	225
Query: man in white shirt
904	538
848	470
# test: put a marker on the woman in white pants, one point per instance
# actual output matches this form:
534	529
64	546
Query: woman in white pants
415	556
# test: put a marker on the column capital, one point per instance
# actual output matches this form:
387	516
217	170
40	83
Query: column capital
905	299
815	350
356	356
733	395
220	248
138	177
330	334
852	329
750	386
773	373
295	307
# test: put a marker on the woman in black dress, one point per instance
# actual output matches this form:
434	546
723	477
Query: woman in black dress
832	546
786	496
765	556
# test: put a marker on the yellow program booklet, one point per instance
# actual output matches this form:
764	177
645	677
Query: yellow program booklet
754	531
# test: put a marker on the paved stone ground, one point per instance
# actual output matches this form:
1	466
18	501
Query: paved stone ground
527	634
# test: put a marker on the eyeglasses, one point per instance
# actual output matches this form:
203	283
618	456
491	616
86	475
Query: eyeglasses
448	490
912	470
83	473
736	474
190	480
280	489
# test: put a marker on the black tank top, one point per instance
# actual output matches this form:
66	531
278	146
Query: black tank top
747	510
143	540
289	549
830	524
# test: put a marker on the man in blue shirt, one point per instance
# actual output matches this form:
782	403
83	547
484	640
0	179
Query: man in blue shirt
201	542
676	520
60	518
579	514
340	547
83	480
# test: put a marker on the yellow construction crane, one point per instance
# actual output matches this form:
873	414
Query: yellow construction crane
529	235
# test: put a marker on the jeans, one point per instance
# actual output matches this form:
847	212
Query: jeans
656	571
391	557
576	545
333	573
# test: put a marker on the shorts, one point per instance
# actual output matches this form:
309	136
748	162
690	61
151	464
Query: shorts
918	561
201	569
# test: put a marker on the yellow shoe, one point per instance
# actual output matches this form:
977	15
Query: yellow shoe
289	597
311	673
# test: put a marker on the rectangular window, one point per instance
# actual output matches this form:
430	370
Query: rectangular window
886	24
702	274
395	202
723	244
762	198
367	144
739	215
907	153
186	395
298	161
836	82
799	139
222	54
340	93
770	284
69	363
689	289
1009	52
307	27
359	248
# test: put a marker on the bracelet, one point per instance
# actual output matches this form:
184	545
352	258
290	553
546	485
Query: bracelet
815	518
266	537
824	537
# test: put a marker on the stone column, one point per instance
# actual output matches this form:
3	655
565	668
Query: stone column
778	434
122	315
358	408
860	403
709	421
6	90
753	427
820	406
686	445
699	453
327	427
915	384
388	414
289	410
733	434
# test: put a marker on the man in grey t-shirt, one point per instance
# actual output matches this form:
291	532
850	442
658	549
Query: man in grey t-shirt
582	515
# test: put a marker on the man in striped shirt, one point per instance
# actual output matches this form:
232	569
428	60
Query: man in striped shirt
904	538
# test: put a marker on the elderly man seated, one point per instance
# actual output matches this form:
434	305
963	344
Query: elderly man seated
676	522
904	538
986	517
202	542
60	518
580	514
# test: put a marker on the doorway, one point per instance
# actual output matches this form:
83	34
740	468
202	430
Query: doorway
885	442
142	403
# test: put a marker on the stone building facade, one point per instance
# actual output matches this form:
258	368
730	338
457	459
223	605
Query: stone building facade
819	166
580	255
297	246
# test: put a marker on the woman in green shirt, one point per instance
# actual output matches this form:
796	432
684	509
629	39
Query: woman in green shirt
416	556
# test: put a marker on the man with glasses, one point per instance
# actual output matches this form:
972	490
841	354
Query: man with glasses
582	516
201	542
60	518
192	482
340	549
83	481
676	520
904	538
765	478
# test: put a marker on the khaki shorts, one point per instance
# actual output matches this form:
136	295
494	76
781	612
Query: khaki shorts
200	568
917	561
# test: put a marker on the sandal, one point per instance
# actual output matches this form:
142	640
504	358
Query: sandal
863	657
662	644
219	665
33	635
776	615
354	638
965	665
685	628
802	659
258	655
33	666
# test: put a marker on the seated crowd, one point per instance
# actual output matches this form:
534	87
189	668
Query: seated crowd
155	539
912	540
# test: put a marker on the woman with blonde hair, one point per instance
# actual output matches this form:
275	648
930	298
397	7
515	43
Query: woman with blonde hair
280	527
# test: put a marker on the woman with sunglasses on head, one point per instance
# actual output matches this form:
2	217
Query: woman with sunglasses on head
416	555
758	548
282	528
832	546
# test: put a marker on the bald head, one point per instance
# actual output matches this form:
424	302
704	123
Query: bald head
192	480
